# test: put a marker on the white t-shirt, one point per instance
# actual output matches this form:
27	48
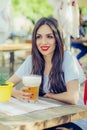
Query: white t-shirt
71	68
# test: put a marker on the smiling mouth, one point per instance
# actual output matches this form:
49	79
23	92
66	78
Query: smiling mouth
44	48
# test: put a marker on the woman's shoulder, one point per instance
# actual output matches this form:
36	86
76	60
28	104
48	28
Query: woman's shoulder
67	54
29	58
25	68
68	59
71	68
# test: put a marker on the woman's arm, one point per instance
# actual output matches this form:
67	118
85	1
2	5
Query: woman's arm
14	79
19	94
71	96
79	40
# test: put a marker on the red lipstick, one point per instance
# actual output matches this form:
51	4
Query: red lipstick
44	48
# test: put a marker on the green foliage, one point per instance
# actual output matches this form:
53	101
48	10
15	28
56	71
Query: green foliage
84	10
32	9
3	78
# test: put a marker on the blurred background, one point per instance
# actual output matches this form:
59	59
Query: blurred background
29	12
24	14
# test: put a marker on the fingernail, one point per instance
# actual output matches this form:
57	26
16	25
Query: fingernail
30	96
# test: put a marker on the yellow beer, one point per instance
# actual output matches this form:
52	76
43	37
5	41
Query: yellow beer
34	91
32	82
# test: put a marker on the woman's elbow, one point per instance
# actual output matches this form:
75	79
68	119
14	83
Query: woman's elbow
74	99
73	102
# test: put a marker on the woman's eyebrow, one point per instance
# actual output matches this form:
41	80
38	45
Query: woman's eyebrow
45	34
38	34
49	33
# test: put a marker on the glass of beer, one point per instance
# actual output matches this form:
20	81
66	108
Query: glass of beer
32	82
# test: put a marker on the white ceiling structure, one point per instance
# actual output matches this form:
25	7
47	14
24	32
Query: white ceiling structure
82	3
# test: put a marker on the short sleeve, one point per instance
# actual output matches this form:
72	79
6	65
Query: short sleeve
25	68
71	68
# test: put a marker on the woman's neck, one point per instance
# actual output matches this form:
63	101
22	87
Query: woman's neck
48	65
48	59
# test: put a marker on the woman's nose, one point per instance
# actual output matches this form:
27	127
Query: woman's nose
43	40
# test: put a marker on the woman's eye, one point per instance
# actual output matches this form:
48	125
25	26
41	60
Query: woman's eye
50	36
37	37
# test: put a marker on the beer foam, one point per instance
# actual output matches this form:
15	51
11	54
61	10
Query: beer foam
32	80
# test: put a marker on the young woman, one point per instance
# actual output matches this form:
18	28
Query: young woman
61	73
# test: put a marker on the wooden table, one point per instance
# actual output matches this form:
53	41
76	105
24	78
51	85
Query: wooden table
42	119
15	47
12	48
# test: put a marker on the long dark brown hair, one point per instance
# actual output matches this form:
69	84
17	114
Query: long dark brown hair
56	77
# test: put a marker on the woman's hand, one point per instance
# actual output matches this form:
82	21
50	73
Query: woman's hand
21	94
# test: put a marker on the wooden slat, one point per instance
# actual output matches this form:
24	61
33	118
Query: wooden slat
15	47
44	118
